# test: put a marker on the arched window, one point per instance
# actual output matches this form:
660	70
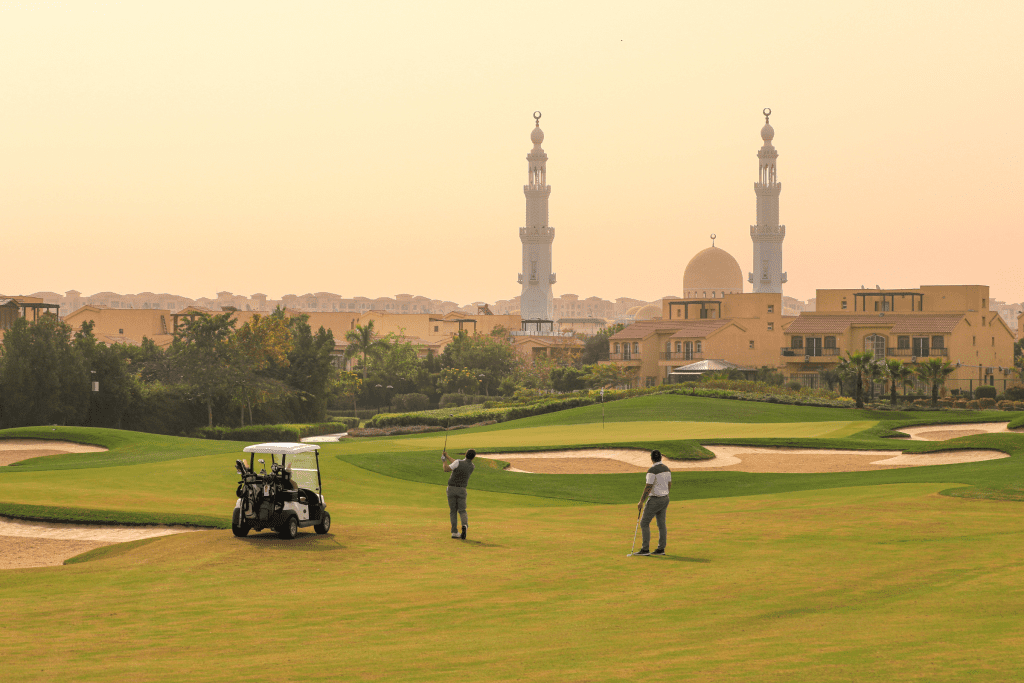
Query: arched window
688	350
876	344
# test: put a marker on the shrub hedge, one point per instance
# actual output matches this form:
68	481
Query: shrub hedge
985	391
501	414
267	433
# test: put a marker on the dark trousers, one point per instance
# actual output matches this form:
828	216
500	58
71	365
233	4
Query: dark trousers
457	506
655	508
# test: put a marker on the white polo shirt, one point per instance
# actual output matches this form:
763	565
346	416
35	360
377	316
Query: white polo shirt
659	476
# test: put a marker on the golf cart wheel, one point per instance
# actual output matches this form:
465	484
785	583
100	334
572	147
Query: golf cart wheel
325	524
238	528
290	528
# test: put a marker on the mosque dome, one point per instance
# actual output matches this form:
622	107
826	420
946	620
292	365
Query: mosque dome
631	313
711	273
648	312
537	136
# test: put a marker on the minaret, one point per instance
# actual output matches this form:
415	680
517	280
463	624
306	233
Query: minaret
767	235
535	304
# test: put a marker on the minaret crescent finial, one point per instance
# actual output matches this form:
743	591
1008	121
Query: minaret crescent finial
713	238
536	116
767	112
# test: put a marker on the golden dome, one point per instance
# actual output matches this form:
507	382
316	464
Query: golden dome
648	312
711	273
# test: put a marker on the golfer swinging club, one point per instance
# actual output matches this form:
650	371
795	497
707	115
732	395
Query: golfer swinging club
659	484
460	469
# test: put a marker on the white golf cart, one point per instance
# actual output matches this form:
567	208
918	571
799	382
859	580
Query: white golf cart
286	498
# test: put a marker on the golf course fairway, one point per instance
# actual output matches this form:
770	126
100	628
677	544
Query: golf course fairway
909	574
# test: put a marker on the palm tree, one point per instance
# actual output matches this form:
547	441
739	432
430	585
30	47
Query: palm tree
844	372
935	371
859	362
896	371
361	341
874	373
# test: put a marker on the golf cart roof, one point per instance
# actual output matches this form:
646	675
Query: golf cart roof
281	448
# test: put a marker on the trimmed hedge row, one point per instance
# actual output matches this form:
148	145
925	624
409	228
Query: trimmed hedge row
500	414
267	433
786	399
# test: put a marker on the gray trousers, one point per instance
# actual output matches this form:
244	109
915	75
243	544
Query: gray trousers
656	506
457	506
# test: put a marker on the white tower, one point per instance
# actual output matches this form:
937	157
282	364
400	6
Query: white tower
767	235
535	304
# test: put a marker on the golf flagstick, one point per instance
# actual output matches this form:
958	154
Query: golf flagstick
637	528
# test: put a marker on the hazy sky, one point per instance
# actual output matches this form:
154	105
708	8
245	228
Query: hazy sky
373	148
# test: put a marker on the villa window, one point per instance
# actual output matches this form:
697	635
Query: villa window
688	354
435	330
903	342
876	344
616	343
751	343
771	326
813	346
679	347
993	341
843	305
636	347
771	308
937	342
921	346
796	343
697	347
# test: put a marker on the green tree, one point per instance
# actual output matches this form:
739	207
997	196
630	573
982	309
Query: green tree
935	371
43	378
109	366
261	343
595	347
310	369
202	358
859	363
610	374
897	371
362	342
568	379
492	357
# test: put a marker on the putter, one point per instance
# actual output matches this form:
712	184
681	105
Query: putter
637	528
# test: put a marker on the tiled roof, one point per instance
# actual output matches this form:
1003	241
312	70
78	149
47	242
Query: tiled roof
680	328
899	323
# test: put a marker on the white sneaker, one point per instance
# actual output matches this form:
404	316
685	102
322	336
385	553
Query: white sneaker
454	535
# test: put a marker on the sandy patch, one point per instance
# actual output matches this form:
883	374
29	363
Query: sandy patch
16	450
735	458
953	431
47	544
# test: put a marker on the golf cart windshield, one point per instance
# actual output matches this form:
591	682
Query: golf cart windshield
303	467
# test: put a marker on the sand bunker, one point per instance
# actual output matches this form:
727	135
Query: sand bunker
16	450
735	458
46	544
945	432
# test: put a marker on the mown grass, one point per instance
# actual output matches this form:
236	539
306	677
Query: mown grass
868	583
798	577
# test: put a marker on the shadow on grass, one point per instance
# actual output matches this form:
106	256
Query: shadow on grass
674	558
302	542
480	544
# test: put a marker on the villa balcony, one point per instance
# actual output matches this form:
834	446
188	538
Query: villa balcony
624	356
798	354
923	353
678	356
